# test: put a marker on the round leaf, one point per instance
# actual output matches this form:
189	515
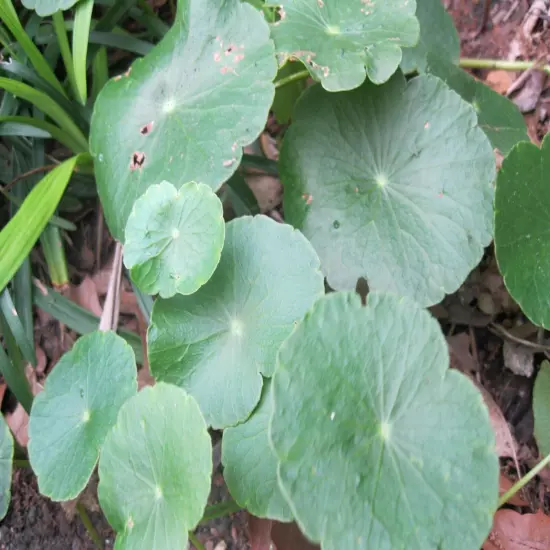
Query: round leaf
437	34
541	408
184	111
497	116
393	183
79	405
6	462
174	238
521	228
155	470
250	467
44	8
394	449
342	42
217	342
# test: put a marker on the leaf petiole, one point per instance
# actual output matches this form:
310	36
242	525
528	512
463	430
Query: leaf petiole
219	510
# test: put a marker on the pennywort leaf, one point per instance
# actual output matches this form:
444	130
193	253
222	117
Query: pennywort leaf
6	462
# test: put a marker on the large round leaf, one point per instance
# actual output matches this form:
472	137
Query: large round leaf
217	342
6	462
497	116
522	227
155	470
379	444
79	405
250	467
174	238
437	34
47	7
392	183
342	41
184	111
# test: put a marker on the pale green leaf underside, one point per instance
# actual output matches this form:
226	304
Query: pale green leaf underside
155	470
250	467
47	7
343	41
497	116
541	408
174	238
437	35
369	422
184	111
522	226
217	342
392	183
71	417
6	462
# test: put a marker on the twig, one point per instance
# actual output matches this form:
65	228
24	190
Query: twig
111	307
501	331
523	77
470	63
93	534
20	177
195	541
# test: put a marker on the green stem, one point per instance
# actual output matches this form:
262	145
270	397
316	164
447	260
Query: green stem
523	481
500	64
195	541
221	509
21	463
93	534
291	78
52	247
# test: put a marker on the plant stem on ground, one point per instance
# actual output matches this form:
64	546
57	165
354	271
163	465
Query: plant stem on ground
523	481
94	535
195	541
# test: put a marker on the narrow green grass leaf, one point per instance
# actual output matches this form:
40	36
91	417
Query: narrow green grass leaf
100	72
541	408
81	32
22	231
18	331
49	107
65	48
54	253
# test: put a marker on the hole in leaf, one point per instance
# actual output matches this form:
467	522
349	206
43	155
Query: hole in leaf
137	161
144	130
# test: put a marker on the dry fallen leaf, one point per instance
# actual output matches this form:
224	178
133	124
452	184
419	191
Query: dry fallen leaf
513	531
459	351
504	485
500	81
287	536
86	295
259	533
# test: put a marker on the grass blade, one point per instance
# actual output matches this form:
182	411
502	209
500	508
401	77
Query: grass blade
64	48
256	162
54	252
18	331
22	231
81	32
100	72
77	318
48	106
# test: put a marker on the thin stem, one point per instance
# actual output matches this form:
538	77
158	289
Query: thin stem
93	534
291	78
523	481
221	509
21	463
500	64
195	541
29	173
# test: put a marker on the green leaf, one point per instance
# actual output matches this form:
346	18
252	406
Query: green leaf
70	419
6	461
21	233
437	35
174	238
393	183
250	467
185	110
497	116
522	247
287	95
155	470
342	42
48	7
369	421
217	342
81	32
541	408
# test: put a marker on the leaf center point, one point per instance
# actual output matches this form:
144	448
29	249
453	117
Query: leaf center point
236	328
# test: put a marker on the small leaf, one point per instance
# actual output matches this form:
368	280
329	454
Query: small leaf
393	183
250	467
184	112
72	416
541	408
522	247
437	35
369	422
155	470
497	116
217	342
6	462
174	238
342	42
